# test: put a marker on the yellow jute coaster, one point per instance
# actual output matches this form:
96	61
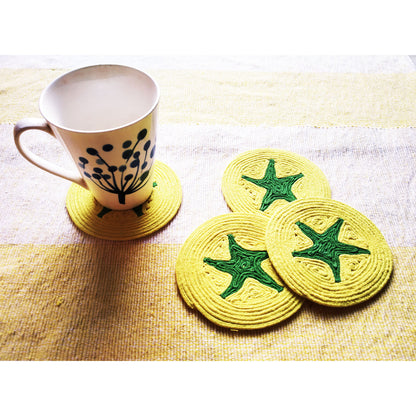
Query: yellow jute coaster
94	219
328	252
268	179
223	270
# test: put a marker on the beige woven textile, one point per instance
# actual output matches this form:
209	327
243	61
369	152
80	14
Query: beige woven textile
65	295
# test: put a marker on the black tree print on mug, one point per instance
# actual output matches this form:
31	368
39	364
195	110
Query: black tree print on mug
112	178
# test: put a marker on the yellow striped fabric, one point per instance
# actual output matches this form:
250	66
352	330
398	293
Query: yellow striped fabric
66	295
107	301
250	98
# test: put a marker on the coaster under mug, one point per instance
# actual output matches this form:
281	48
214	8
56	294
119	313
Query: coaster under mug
96	220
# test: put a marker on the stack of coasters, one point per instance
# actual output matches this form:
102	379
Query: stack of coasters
287	240
224	271
94	219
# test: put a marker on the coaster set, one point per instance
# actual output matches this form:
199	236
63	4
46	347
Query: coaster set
285	241
94	219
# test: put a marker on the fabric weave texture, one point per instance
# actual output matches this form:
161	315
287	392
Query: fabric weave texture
66	295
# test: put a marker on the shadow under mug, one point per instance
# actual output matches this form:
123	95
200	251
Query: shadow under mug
105	116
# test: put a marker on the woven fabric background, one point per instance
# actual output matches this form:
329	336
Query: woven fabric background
67	296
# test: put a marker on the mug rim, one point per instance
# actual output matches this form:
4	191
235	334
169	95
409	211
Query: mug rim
142	117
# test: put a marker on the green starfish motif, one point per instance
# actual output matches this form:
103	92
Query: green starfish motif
277	188
327	247
242	265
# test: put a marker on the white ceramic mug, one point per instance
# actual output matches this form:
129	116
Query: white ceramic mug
106	117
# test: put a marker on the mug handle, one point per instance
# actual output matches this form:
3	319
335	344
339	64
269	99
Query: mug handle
39	124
